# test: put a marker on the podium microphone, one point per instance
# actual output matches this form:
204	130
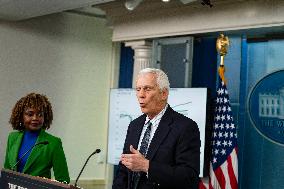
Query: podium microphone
14	166
95	152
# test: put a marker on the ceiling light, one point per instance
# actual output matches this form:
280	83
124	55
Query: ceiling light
187	1
132	4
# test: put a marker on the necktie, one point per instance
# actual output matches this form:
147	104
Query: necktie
143	150
145	141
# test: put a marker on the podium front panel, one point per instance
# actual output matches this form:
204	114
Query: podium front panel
15	180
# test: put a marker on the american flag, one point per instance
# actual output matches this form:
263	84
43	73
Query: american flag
223	172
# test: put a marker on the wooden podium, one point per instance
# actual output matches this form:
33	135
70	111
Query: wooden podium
14	180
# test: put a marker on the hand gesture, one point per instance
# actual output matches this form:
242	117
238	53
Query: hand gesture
135	161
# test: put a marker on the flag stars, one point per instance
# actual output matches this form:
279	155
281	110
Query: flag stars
218	143
226	134
230	143
225	100
224	137
216	126
228	117
217	117
216	151
218	91
227	126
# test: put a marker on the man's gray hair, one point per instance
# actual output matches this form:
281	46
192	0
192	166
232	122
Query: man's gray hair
162	78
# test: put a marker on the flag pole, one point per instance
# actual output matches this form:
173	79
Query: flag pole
222	45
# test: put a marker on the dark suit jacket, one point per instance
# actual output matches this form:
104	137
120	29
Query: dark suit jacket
42	157
174	154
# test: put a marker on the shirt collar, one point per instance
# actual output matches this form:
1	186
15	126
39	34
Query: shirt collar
158	117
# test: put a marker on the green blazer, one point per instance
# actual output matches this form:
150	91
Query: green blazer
42	157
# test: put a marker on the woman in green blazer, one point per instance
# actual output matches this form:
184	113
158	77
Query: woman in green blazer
31	116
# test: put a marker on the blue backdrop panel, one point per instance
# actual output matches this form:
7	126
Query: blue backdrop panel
262	158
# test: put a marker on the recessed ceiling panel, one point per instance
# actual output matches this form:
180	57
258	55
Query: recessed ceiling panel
24	9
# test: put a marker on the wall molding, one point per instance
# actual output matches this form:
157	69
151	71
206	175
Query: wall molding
154	19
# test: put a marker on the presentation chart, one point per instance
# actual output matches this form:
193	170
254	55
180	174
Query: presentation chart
124	108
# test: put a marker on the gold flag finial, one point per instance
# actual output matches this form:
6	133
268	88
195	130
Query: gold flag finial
222	45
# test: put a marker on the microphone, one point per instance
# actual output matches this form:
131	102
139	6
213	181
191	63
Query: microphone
20	159
95	152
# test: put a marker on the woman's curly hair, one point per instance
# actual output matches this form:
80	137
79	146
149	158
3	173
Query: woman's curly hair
32	100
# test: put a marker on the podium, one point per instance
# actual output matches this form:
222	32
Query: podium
14	180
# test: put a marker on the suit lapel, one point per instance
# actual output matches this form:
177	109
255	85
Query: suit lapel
134	137
134	140
15	148
35	151
162	131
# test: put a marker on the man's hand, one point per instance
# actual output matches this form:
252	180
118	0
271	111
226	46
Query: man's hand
135	161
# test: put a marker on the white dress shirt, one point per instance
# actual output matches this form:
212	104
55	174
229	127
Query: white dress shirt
155	122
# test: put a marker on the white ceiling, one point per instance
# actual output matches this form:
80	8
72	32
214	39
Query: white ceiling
24	9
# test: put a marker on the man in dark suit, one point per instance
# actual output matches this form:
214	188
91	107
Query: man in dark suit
162	147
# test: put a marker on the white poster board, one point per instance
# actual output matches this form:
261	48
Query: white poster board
124	108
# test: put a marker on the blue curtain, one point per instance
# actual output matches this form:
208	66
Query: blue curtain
126	67
204	63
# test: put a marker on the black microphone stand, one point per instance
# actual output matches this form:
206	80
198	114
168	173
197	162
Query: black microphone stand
95	152
20	159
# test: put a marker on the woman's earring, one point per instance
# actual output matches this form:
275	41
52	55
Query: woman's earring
20	124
